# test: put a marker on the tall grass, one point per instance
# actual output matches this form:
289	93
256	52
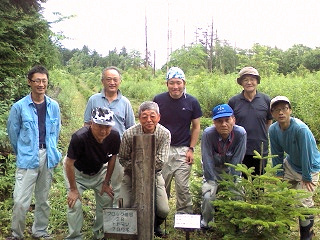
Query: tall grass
72	93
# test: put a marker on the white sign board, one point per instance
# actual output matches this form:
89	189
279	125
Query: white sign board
120	221
187	221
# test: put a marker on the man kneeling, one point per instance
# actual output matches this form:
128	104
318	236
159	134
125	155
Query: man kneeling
149	117
224	142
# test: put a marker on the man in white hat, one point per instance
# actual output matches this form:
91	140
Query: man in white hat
301	163
180	113
251	110
90	149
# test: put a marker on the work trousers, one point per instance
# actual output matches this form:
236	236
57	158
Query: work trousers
295	179
75	214
37	180
209	192
161	205
177	168
116	179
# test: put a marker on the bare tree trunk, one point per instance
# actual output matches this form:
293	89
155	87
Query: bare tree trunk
143	181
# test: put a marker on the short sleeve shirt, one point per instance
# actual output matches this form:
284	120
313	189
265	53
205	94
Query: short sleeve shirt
177	114
253	117
89	155
121	107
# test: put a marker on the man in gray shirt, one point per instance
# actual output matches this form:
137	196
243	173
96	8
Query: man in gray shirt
112	98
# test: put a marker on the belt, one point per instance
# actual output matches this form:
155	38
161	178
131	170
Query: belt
90	174
42	145
87	173
129	171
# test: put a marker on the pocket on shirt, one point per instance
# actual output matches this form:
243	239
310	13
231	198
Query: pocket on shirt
26	132
54	122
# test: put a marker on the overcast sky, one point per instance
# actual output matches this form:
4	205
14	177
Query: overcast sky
103	25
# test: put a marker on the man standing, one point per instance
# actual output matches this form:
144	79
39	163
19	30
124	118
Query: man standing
33	129
251	110
111	97
90	148
149	117
224	142
301	163
179	111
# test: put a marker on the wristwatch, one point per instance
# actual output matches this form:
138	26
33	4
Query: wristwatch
191	148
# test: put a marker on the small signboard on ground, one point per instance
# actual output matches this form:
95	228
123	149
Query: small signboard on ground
187	221
120	221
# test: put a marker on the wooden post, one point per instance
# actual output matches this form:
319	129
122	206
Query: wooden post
143	177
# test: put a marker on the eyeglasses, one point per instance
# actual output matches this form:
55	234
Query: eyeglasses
38	81
246	80
283	109
108	79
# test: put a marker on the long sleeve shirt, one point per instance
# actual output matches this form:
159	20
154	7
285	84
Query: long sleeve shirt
298	145
216	152
162	139
23	131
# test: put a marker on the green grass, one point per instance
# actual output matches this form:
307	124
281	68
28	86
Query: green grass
72	93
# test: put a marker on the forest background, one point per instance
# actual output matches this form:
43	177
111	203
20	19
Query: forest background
211	68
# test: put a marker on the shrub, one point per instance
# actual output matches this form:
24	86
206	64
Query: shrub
259	207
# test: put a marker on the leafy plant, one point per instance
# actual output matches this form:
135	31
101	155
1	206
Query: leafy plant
259	207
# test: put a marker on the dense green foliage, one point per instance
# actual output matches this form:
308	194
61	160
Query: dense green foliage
258	207
24	42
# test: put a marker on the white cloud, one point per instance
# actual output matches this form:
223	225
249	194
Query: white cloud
104	25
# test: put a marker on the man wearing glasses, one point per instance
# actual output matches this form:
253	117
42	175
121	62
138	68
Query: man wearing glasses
33	128
251	110
224	142
301	163
111	97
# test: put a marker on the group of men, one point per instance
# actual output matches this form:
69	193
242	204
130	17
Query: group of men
99	155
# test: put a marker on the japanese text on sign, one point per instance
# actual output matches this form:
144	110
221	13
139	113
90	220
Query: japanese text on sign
120	220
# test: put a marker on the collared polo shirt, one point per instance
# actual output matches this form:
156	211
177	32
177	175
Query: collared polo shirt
253	116
121	107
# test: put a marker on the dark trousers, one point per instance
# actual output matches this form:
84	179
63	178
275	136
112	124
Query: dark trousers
249	161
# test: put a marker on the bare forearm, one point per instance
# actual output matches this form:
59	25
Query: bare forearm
69	167
110	168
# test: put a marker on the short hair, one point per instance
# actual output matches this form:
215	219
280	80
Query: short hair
110	68
37	69
148	105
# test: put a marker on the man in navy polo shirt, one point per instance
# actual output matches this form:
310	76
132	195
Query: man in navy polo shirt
252	111
224	142
179	111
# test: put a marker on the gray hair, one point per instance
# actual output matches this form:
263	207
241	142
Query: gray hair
110	68
148	105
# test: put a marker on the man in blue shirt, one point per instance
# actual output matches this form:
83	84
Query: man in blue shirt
301	163
112	98
33	128
224	142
